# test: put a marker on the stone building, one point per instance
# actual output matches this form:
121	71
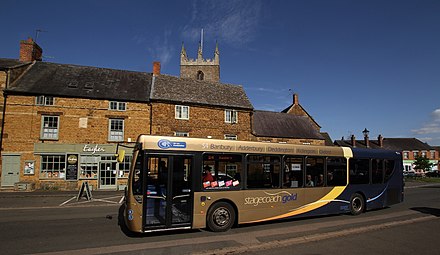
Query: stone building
62	122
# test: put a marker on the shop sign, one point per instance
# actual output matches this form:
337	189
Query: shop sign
72	167
93	149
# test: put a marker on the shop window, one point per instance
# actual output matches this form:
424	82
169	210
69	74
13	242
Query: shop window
221	171
49	127
263	172
89	167
53	167
116	130
124	167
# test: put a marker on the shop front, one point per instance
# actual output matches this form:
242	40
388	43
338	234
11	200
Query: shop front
67	166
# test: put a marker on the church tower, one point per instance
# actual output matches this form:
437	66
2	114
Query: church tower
200	69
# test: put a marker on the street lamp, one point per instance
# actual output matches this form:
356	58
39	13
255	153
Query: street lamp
365	132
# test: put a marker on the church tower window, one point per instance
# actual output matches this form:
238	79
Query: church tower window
200	75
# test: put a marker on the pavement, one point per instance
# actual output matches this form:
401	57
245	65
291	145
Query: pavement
56	199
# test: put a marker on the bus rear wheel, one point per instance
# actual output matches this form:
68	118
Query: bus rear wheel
357	204
221	217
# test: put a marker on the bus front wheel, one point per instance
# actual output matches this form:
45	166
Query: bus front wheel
221	217
357	204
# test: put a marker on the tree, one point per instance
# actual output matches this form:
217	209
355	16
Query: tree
423	163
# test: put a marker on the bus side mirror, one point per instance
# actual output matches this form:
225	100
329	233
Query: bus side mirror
120	156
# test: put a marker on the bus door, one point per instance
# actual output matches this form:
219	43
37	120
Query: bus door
168	200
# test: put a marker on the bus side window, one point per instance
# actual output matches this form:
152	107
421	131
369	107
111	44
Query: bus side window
314	171
263	171
293	172
377	170
359	171
336	171
389	169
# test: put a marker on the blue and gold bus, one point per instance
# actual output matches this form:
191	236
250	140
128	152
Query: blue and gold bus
183	183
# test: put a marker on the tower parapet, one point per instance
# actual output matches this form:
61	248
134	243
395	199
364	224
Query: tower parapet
200	68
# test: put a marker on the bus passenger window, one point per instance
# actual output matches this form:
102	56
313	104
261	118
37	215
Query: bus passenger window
336	171
263	172
359	171
293	172
377	171
314	171
389	169
221	171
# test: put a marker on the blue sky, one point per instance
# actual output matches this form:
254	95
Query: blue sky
354	64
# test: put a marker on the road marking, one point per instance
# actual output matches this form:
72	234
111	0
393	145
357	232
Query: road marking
67	201
253	244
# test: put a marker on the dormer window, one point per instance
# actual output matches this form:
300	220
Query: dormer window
200	76
44	100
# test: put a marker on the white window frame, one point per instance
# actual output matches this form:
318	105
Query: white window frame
230	137
180	113
406	155
115	135
44	100
181	134
48	130
117	106
58	169
231	116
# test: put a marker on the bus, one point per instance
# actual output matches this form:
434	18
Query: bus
184	183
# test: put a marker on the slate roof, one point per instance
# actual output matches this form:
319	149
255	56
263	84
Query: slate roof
395	144
66	80
183	90
283	125
6	63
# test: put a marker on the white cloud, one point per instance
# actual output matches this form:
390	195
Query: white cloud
162	50
430	131
231	22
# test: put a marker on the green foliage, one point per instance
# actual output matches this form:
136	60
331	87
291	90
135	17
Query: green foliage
423	163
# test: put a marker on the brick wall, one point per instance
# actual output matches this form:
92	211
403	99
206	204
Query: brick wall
23	125
203	122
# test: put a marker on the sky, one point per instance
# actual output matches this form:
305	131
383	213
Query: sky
354	64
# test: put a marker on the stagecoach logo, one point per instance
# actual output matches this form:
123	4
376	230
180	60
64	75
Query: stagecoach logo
282	197
166	144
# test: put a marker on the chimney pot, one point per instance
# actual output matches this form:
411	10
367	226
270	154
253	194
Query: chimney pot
156	68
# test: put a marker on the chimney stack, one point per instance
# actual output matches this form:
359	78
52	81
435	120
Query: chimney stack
156	68
30	51
380	140
353	141
295	99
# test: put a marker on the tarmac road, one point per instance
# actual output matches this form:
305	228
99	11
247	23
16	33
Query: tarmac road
54	223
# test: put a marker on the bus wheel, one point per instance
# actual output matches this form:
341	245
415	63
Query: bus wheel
221	217
357	204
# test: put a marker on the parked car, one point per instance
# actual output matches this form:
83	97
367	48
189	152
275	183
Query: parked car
410	173
433	173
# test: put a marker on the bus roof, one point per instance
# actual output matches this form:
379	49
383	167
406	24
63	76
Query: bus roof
164	143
